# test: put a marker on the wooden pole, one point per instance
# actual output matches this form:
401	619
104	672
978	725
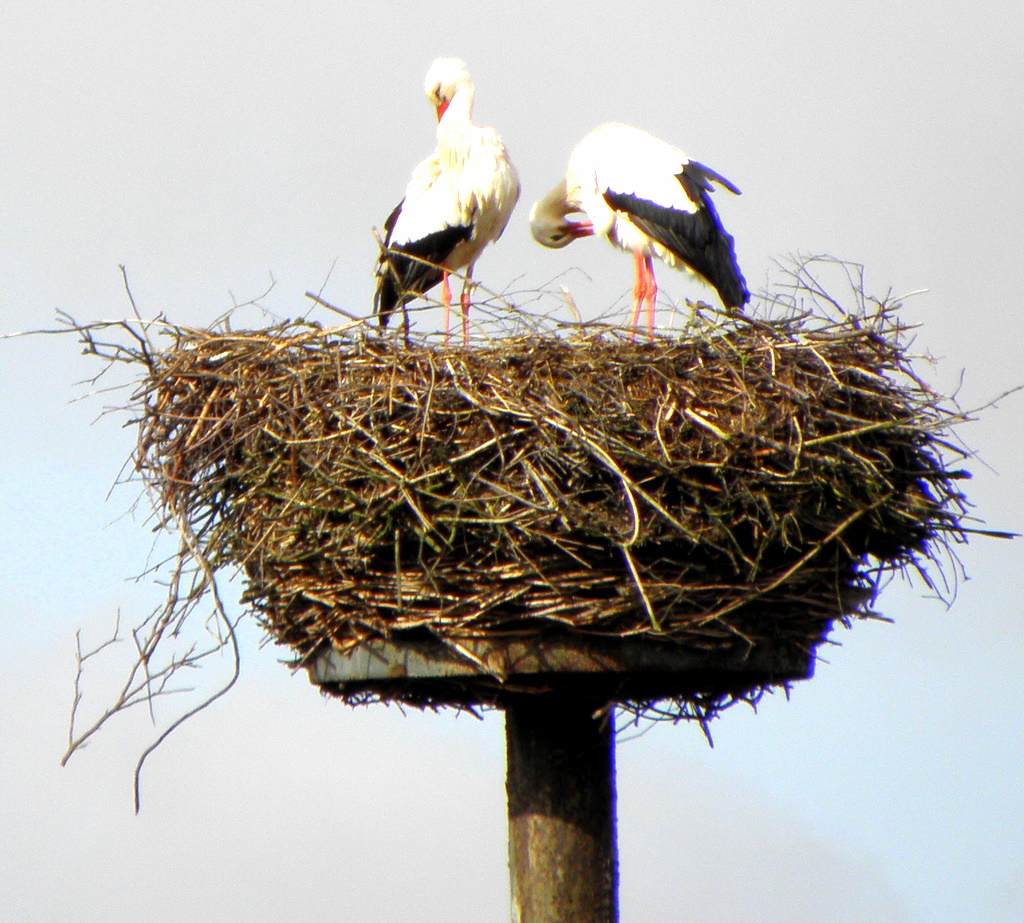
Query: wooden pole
561	760
561	810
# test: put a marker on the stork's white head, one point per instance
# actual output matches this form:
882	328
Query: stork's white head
446	77
549	225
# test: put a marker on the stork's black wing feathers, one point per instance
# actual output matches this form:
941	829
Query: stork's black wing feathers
389	223
697	237
697	176
405	270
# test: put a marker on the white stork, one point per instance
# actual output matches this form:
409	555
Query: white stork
648	198
458	201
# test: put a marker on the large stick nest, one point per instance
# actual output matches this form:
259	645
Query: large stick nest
743	484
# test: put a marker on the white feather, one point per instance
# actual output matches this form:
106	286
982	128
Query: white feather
621	158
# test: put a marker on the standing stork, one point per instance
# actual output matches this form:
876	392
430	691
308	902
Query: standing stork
458	201
649	198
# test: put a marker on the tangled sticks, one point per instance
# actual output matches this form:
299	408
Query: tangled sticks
743	485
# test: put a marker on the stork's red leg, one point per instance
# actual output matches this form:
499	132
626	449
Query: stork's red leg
639	286
645	290
651	291
467	288
446	301
465	312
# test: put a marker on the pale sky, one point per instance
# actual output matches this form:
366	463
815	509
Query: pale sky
210	147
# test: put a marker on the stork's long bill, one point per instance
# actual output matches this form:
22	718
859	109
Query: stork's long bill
578	229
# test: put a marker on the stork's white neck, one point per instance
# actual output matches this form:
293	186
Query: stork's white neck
555	205
459	113
456	131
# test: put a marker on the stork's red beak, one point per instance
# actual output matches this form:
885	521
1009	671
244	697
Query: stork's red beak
442	108
580	229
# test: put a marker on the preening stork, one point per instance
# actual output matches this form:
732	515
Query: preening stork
649	198
458	201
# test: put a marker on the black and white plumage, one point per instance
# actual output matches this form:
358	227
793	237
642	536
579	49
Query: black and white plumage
649	198
459	200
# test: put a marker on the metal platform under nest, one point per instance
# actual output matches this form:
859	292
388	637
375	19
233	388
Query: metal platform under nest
478	671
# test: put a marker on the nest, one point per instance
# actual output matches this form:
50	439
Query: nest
744	484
